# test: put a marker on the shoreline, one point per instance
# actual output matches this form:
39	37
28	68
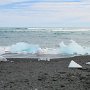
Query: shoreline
31	74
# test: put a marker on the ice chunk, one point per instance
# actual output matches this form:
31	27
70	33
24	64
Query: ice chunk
24	47
72	48
74	65
7	49
88	63
36	89
48	51
44	58
11	61
42	51
2	59
2	50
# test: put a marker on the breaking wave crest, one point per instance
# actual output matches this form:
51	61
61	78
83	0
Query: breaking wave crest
71	48
48	29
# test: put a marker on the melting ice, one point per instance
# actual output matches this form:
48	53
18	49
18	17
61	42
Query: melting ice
73	48
68	49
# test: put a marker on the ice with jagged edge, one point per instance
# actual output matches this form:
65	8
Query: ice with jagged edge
72	48
73	64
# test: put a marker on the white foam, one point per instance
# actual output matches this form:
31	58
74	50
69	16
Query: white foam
57	29
74	65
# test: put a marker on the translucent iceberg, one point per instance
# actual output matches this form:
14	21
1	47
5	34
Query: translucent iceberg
72	48
24	47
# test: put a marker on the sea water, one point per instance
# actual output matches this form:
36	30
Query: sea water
50	40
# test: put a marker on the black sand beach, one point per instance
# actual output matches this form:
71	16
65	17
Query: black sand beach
30	74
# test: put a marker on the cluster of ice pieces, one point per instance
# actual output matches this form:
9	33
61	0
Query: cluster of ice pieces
69	49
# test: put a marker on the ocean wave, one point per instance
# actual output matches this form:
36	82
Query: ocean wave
71	48
58	29
45	29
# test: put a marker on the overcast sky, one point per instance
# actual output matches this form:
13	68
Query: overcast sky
45	13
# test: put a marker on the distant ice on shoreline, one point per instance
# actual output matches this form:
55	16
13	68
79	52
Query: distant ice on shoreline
70	49
45	40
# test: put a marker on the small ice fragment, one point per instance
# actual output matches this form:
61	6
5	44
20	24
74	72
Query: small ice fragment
11	61
44	58
2	59
74	65
36	89
88	63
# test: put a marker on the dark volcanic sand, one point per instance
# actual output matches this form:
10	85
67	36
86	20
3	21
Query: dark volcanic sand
30	74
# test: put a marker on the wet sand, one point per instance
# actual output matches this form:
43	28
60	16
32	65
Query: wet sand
31	74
